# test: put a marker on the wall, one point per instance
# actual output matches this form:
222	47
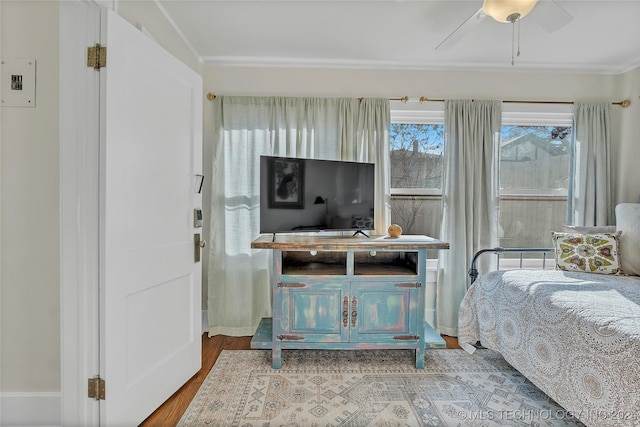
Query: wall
413	83
627	153
30	347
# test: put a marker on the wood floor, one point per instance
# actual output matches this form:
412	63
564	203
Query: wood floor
171	411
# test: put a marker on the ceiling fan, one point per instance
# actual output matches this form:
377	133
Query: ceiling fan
551	17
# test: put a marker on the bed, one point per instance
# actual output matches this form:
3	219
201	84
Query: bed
575	335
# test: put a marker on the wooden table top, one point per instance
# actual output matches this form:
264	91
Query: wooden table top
293	242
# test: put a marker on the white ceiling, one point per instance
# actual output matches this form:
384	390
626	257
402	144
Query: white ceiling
602	37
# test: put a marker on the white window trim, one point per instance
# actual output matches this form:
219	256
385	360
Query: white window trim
414	112
416	192
530	193
418	117
537	114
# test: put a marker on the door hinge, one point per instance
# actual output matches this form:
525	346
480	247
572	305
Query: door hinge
96	388
97	56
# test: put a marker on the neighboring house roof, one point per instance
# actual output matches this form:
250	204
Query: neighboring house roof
530	141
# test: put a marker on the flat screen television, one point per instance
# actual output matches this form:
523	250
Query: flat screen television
311	195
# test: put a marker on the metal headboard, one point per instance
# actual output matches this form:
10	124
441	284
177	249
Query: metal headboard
473	271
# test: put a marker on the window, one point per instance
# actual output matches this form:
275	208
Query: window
535	149
416	144
416	157
534	171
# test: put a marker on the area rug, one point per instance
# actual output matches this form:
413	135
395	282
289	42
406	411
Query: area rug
369	388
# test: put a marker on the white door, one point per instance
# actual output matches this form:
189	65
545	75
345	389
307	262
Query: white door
150	284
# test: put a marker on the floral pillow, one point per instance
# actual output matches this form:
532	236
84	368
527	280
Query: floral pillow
589	253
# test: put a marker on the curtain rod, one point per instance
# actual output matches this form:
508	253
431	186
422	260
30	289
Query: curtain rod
211	97
404	99
624	103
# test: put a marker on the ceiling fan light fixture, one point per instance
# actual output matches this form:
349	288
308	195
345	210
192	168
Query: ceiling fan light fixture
508	11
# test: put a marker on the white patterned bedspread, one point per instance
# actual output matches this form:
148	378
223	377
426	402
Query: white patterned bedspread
574	335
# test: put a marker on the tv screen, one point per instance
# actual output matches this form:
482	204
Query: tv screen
305	195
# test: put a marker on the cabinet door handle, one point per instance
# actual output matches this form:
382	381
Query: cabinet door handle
345	312
407	337
290	285
354	312
290	337
408	285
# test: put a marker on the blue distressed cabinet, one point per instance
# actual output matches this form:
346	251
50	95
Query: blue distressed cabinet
347	293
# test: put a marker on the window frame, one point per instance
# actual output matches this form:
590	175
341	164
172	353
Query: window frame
513	114
419	114
527	114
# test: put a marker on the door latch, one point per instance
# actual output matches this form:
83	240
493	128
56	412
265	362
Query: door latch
199	244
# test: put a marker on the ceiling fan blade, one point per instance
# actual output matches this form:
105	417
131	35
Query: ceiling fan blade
465	28
551	16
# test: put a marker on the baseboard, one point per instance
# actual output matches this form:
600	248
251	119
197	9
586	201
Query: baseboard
30	409
205	323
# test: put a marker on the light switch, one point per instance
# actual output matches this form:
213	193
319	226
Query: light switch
18	82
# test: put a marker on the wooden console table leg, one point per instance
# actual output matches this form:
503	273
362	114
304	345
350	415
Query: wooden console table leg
276	357
419	358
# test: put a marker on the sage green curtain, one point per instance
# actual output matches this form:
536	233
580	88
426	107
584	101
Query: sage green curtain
364	137
591	198
470	196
